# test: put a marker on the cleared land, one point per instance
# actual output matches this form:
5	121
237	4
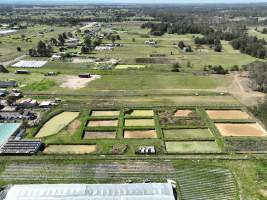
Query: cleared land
93	123
70	149
187	134
75	82
145	134
141	113
55	124
183	113
139	122
105	113
227	114
250	129
192	147
99	135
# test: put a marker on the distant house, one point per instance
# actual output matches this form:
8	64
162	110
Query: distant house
28	103
56	57
85	75
3	69
151	42
46	104
103	48
7	84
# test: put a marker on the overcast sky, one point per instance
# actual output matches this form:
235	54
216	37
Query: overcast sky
134	1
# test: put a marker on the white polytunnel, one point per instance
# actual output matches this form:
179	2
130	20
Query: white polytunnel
136	191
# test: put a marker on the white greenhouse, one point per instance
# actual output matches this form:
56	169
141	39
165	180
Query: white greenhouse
142	191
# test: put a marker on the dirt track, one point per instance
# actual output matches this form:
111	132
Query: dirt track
240	88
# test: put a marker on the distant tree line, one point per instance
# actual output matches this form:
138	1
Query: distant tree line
212	36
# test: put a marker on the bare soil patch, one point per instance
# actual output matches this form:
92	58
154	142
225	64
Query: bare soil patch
70	149
75	82
105	113
139	122
250	129
183	113
99	135
103	123
141	113
74	126
227	114
144	134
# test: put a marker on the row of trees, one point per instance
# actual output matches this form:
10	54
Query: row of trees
250	45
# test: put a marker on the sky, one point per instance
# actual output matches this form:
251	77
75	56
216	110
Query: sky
132	1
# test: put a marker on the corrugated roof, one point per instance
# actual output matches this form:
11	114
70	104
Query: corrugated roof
142	191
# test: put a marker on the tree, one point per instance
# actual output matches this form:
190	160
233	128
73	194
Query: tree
181	45
61	40
53	41
188	64
19	49
41	48
70	34
176	67
87	41
65	35
133	40
85	49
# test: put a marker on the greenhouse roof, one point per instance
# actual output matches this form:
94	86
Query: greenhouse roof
144	191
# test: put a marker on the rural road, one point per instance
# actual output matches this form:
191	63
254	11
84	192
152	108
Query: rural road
6	63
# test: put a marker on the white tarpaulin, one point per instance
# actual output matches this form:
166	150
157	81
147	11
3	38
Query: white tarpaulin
29	64
142	191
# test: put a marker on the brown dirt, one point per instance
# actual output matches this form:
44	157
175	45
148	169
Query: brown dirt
74	82
74	126
227	114
183	113
70	149
103	123
99	135
145	134
253	129
263	192
106	113
241	89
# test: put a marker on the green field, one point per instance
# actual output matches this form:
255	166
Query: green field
192	147
188	134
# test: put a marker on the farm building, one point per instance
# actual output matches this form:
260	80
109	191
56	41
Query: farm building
85	76
56	57
144	191
46	104
22	72
29	64
6	84
27	103
21	147
103	48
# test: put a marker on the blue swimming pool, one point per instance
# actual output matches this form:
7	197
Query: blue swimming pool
6	130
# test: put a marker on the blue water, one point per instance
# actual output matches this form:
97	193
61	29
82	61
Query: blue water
6	130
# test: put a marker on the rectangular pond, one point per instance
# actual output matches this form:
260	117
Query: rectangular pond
6	130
